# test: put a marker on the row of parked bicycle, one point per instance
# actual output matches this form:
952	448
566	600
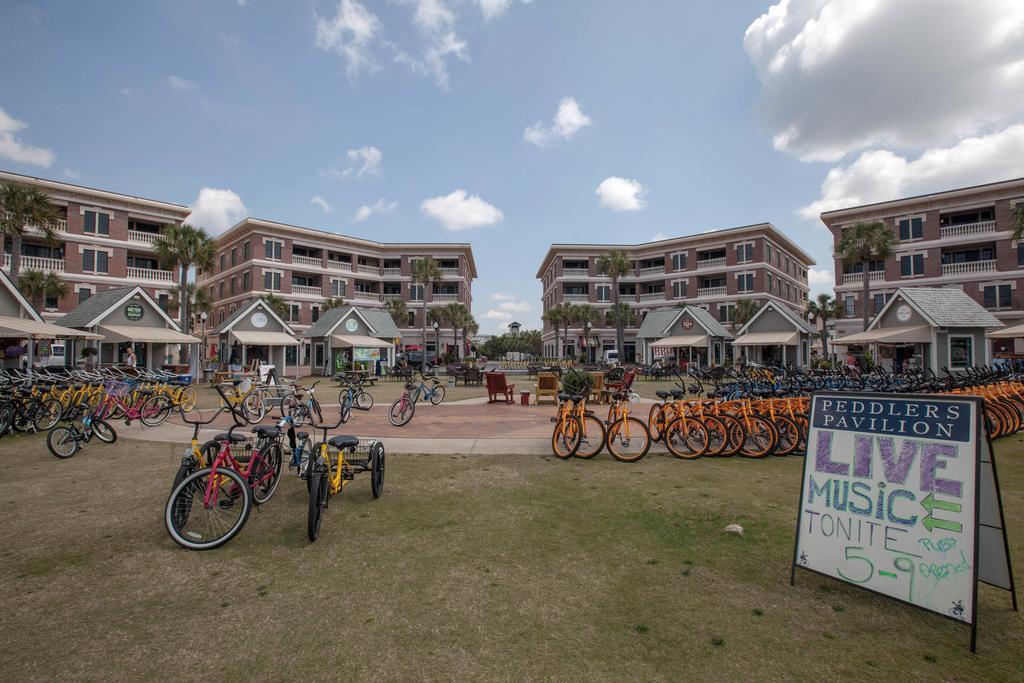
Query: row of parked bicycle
754	414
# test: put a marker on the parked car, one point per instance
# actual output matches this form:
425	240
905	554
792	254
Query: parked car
414	358
610	357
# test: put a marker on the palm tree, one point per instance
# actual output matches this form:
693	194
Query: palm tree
425	272
863	243
24	206
276	304
197	299
183	246
471	326
585	314
438	316
745	310
615	264
399	312
822	309
457	315
1017	225
620	315
332	302
37	286
553	316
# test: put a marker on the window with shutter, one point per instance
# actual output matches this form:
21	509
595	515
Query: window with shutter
101	262
904	229
90	222
102	224
916	228
918	264
88	260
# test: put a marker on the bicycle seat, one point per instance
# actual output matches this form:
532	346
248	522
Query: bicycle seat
677	393
576	398
662	394
342	442
266	432
301	435
234	438
564	397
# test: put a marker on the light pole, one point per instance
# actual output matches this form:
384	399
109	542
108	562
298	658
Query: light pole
437	344
202	349
586	339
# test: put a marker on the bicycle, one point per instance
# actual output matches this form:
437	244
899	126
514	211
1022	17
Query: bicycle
247	396
354	395
149	408
64	441
627	438
403	409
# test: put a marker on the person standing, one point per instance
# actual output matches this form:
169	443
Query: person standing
131	359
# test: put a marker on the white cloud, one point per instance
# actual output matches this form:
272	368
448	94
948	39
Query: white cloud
881	175
498	296
361	162
14	149
379	206
72	173
216	210
322	203
621	194
182	84
659	236
819	276
350	33
495	314
843	75
567	121
436	23
492	9
459	211
243	3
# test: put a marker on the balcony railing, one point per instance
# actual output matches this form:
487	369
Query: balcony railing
59	225
46	265
575	272
366	296
967	229
337	265
449	272
711	291
392	272
854	278
307	261
968	267
653	270
576	298
392	297
444	299
306	289
144	237
651	296
150	275
711	263
374	270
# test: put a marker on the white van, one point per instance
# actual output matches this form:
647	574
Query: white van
611	357
57	351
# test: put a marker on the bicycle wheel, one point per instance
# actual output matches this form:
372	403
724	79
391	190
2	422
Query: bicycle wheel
565	438
789	435
401	412
437	395
628	439
686	438
187	399
254	408
46	413
265	473
317	501
364	401
155	410
103	431
592	437
6	418
62	442
734	430
804	424
760	437
657	420
345	405
310	466
377	469
718	435
196	524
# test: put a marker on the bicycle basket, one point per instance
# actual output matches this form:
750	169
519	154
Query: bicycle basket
244	385
118	389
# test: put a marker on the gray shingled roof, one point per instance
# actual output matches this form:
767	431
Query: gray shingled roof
949	307
384	327
797	320
246	306
657	320
85	312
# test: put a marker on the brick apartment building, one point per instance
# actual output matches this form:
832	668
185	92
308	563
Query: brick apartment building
304	267
956	238
104	240
711	270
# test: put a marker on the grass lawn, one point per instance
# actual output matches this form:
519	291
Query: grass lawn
469	567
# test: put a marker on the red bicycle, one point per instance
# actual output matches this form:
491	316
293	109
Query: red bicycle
121	402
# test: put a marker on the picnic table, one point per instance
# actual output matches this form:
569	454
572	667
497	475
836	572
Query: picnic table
352	376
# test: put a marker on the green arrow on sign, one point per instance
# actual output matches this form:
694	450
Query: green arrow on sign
930	503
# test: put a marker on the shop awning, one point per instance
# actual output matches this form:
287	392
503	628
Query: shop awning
359	341
156	335
682	341
888	335
766	339
256	338
1015	332
26	327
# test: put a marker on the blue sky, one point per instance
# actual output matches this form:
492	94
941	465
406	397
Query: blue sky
703	115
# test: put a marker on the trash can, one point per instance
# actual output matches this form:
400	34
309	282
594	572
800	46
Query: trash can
524	398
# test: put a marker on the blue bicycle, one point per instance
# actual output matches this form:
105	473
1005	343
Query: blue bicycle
404	408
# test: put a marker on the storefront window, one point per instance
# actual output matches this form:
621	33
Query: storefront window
961	352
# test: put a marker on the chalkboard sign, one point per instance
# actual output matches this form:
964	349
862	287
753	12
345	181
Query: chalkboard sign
900	497
134	311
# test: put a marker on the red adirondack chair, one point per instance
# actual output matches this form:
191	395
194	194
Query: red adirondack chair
497	386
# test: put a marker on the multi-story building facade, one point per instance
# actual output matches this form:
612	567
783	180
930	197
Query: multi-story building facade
957	238
103	240
711	270
304	267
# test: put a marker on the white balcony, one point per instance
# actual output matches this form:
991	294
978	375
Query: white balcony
968	267
307	261
449	272
575	272
967	229
856	278
444	299
337	265
711	291
711	263
576	298
392	272
60	225
373	297
651	296
46	265
151	275
392	297
373	270
306	289
144	237
653	270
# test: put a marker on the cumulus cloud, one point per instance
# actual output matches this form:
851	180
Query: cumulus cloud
493	9
216	210
880	175
379	206
73	174
659	236
436	22
840	76
321	202
360	162
498	296
182	84
819	276
14	149
621	194
567	122
460	211
350	33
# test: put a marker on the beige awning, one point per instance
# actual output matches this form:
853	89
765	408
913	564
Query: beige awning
1015	332
682	340
766	339
888	335
141	334
26	327
359	341
256	338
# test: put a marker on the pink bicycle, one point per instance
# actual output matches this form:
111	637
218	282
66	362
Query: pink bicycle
149	408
